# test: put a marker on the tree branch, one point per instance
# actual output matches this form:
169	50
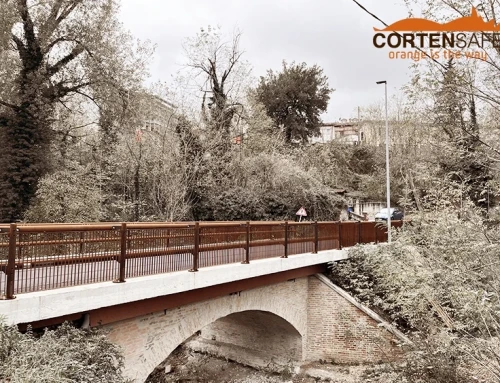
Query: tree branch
88	97
20	47
59	90
32	44
67	11
50	24
57	41
53	69
235	57
70	129
55	18
8	105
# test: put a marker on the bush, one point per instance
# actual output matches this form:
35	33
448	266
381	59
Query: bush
69	195
64	355
268	187
438	281
446	263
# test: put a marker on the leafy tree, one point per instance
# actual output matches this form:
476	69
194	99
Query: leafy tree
67	195
268	187
462	92
295	99
150	179
57	51
462	159
192	156
351	167
450	103
260	134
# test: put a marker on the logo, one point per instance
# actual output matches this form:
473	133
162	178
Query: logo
464	37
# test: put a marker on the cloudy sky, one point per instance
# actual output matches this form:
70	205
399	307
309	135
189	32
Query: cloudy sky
335	34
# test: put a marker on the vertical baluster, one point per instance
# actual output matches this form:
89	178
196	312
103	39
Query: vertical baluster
340	235
196	249
359	232
316	241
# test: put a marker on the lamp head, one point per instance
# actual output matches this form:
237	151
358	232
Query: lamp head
381	82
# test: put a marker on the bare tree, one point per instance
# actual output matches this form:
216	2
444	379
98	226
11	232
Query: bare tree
222	76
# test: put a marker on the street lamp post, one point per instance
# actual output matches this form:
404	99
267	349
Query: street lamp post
388	183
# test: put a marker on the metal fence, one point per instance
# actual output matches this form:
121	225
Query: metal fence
35	257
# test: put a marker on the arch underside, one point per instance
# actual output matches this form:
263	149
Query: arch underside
157	335
256	338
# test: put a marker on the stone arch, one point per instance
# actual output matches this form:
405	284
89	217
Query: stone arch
152	338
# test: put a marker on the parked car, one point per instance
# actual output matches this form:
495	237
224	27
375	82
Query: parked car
396	214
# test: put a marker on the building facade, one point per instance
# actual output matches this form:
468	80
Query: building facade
157	114
346	131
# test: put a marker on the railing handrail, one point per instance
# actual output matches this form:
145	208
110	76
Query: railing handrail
134	244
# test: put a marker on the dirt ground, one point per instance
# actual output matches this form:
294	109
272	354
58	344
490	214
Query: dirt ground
185	366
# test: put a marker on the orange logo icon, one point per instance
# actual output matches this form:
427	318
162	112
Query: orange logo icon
472	23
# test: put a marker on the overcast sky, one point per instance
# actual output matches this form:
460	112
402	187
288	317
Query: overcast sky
335	34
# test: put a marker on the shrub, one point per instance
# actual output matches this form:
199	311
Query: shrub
64	355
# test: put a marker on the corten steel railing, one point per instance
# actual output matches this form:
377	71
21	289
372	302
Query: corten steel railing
35	257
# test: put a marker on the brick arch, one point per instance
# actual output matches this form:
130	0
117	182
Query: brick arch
148	340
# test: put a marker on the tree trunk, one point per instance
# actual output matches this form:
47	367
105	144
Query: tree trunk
25	159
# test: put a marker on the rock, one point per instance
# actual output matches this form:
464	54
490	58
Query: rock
168	369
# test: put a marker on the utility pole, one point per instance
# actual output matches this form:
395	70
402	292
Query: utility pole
388	181
359	127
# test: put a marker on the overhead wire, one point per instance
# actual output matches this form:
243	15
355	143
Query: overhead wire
399	34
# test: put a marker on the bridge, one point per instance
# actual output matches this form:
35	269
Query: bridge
247	289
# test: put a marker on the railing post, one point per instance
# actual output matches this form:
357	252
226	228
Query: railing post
359	231
247	244
11	262
316	244
340	235
286	240
123	253
196	249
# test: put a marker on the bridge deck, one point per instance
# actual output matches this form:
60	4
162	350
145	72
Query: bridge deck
106	302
